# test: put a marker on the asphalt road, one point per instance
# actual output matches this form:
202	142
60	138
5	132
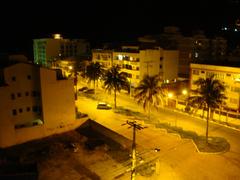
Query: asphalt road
186	163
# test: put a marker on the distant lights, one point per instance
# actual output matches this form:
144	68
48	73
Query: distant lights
120	57
57	36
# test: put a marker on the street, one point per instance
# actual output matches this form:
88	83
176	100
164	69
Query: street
179	156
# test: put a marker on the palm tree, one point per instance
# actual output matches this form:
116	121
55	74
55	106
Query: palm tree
209	95
114	80
149	92
93	72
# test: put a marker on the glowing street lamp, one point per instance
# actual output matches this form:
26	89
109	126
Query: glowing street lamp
184	92
170	95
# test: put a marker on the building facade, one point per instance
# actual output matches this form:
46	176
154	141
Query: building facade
49	50
230	76
35	102
136	63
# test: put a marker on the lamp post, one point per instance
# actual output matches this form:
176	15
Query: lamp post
75	83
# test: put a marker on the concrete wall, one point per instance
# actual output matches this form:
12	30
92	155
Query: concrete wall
57	100
170	64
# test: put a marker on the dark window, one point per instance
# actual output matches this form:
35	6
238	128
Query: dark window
161	58
228	74
160	66
28	109
35	109
27	93
202	71
29	77
34	93
19	94
14	112
196	72
13	78
12	96
20	110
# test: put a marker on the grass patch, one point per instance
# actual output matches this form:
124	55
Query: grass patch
215	144
128	112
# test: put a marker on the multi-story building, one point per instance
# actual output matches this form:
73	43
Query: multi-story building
137	62
229	75
49	50
192	49
35	102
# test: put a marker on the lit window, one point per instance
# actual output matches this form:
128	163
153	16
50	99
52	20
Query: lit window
196	55
120	57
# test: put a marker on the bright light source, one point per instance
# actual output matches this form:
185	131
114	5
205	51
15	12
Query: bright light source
167	81
235	30
70	67
184	92
57	36
131	58
170	95
120	57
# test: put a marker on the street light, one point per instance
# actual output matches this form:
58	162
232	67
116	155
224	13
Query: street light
184	92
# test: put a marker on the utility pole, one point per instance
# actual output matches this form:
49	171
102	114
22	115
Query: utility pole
135	127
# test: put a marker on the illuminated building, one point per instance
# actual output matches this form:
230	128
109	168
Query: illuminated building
229	75
192	49
35	102
137	62
48	50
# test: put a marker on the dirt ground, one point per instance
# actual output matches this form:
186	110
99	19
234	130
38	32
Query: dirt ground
74	156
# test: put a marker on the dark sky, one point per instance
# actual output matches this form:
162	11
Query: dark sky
106	20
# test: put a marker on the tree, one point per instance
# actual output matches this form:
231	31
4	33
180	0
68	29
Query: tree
209	95
149	92
115	81
93	72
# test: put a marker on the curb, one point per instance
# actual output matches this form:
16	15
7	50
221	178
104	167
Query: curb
230	127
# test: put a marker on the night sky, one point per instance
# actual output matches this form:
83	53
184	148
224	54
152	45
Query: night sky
107	20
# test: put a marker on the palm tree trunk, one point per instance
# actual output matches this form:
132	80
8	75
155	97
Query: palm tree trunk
149	110
115	98
208	113
94	86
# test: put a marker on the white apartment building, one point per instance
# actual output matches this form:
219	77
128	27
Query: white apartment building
229	75
35	102
137	62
